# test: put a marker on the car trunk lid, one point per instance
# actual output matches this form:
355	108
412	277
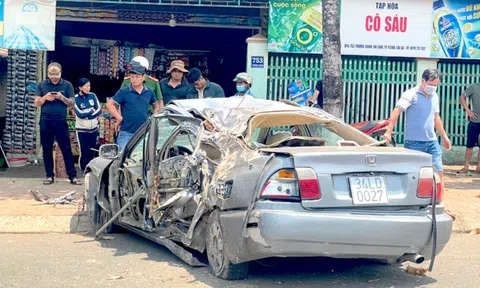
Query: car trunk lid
361	177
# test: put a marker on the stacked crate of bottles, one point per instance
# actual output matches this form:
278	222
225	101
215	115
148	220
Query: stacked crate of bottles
72	132
20	127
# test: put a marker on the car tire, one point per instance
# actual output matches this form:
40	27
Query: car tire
97	215
217	256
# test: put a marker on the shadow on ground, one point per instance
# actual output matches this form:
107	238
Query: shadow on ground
291	272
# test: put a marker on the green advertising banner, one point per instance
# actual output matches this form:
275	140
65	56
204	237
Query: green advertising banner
295	26
456	29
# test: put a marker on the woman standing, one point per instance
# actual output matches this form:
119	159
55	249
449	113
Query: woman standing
87	108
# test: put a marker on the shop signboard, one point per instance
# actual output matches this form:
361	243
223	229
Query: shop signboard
1	22
456	29
402	28
393	28
29	24
295	26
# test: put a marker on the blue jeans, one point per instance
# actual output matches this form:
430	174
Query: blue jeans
123	138
431	147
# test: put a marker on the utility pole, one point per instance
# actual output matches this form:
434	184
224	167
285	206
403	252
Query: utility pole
332	59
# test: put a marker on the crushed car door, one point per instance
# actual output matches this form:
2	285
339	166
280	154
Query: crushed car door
131	177
172	139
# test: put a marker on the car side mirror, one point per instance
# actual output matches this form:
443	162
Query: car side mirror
109	151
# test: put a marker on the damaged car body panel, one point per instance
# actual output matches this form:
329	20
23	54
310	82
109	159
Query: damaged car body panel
243	179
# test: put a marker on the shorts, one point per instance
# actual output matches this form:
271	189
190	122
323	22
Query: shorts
431	147
473	133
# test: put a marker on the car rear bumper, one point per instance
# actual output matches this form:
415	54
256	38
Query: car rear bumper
340	234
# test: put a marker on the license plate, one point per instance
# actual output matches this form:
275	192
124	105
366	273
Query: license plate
368	190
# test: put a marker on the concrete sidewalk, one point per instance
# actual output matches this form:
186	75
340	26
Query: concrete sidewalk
19	213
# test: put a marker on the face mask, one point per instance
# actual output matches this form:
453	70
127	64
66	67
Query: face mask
241	88
430	89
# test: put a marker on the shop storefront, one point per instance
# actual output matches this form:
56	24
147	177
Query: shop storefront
96	39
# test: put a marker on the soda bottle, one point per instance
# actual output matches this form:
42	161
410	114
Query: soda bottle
307	31
449	32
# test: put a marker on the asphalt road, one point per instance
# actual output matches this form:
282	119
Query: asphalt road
56	260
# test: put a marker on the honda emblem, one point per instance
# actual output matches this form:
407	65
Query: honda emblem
371	160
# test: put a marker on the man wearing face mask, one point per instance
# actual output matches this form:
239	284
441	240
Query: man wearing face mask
244	84
421	105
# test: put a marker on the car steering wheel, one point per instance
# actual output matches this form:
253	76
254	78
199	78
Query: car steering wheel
178	150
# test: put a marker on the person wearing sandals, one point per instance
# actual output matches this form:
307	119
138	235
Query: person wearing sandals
473	130
87	109
54	96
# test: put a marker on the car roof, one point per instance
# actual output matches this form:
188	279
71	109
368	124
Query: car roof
231	112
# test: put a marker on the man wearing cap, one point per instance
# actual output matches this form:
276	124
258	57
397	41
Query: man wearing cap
54	96
202	88
175	86
151	82
134	101
244	84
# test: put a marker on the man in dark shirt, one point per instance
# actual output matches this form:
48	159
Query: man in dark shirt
54	96
202	88
134	101
318	94
175	86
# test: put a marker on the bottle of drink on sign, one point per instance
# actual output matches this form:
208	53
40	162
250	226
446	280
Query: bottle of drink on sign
449	32
307	31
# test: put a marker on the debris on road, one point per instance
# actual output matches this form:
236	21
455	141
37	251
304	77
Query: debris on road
107	238
451	214
475	231
45	199
115	277
416	271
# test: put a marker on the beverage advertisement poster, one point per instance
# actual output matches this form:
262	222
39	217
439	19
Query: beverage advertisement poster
1	23
29	24
390	28
295	26
456	29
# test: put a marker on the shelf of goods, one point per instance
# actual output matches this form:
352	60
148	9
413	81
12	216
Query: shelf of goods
21	115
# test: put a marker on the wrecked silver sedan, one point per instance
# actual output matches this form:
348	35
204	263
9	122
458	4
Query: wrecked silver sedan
241	179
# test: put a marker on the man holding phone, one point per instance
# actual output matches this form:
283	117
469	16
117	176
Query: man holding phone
54	96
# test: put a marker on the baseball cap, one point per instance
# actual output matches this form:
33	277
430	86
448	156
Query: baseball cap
54	69
243	77
137	68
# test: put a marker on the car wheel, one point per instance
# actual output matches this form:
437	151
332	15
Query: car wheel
98	216
217	254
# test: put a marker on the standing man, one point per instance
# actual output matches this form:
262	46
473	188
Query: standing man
134	101
473	132
244	84
317	97
421	105
54	96
151	82
202	88
175	86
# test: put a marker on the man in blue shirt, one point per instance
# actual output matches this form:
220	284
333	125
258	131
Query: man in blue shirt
134	101
421	105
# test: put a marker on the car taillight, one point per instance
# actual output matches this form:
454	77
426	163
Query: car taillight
282	185
308	183
425	184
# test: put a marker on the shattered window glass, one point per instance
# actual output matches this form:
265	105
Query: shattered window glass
165	129
324	131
